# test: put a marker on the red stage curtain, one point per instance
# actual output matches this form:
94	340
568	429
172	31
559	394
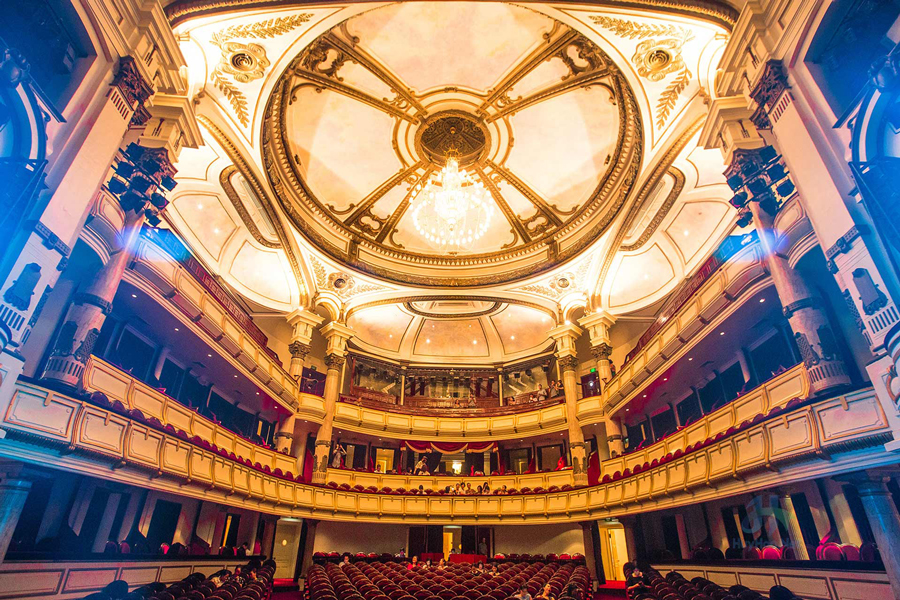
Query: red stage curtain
451	447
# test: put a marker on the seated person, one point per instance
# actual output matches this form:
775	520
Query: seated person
523	593
572	591
635	580
546	593
413	564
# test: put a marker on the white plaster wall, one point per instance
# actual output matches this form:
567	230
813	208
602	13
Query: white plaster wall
338	536
539	539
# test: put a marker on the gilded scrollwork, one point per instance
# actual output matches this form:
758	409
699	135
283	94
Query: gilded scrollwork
246	62
657	56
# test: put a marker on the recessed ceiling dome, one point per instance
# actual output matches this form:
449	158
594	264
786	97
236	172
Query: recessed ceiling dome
536	113
455	331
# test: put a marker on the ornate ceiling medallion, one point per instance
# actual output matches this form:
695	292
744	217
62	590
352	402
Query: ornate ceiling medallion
452	131
351	191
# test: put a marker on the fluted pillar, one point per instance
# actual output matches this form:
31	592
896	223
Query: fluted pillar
336	335
789	518
567	359
302	322
761	186
614	437
14	490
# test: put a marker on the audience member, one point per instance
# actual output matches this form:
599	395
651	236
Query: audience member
523	593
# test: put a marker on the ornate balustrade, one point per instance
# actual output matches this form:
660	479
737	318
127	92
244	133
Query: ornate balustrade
51	579
161	275
707	305
100	376
461	425
824	436
773	394
436	482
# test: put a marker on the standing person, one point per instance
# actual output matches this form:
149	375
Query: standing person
541	392
338	460
483	547
421	467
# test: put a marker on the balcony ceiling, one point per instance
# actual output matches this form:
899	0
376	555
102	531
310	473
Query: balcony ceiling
581	121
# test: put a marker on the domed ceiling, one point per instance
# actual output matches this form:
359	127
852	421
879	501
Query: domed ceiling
579	121
536	113
451	329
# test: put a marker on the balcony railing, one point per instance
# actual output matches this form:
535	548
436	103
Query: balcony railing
828	435
731	246
170	242
774	394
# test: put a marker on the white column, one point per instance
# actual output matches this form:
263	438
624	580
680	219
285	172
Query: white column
567	359
336	335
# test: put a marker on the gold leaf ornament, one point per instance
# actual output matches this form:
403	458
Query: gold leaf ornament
247	62
655	59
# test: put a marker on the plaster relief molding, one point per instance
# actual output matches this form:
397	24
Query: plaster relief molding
597	325
246	62
656	56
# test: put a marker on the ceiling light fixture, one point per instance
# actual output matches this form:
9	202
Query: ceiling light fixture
452	210
134	295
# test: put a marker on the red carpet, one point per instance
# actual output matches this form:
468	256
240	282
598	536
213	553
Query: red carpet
611	590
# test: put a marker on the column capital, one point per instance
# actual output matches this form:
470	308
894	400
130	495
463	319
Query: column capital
601	351
772	83
568	362
299	350
173	125
334	361
303	323
133	87
729	126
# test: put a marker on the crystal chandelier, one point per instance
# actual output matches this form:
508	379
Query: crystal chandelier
452	210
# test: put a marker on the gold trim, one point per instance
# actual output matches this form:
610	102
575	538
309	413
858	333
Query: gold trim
225	182
676	190
235	156
455	316
715	11
658	171
422	298
609	195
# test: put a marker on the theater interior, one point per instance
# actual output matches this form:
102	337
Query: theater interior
449	300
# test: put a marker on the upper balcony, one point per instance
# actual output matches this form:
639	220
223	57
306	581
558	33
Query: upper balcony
166	271
709	297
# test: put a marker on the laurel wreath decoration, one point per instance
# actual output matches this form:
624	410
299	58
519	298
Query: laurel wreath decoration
656	57
260	30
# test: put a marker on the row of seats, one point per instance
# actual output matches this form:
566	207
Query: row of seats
401	491
252	582
628	472
675	587
825	551
336	557
395	581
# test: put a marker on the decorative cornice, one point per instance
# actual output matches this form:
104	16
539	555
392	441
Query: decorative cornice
51	240
105	305
714	11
